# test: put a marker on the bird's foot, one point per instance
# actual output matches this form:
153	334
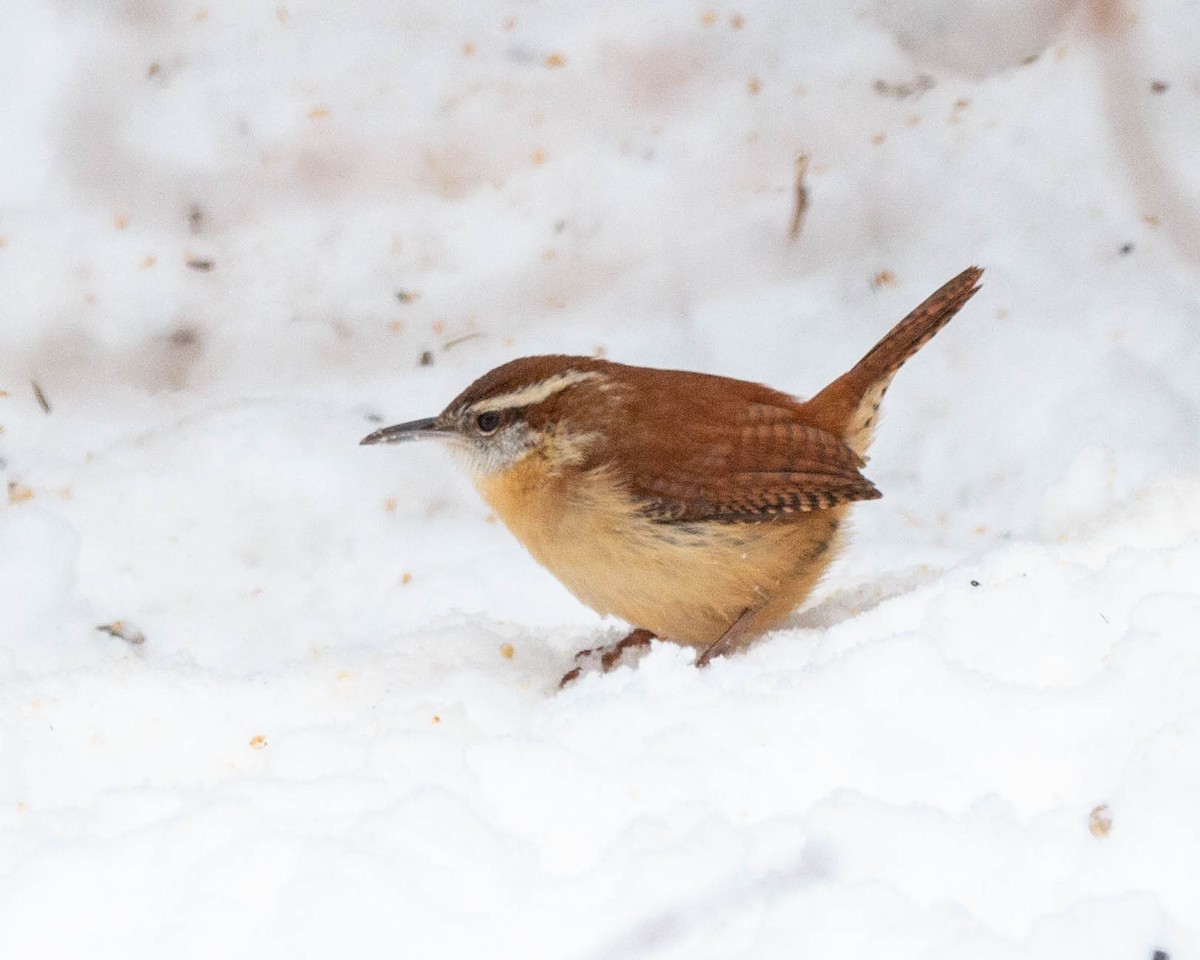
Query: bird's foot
608	657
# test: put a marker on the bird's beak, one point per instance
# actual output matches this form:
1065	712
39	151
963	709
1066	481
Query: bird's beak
413	430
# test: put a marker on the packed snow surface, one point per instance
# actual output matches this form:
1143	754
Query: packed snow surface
236	237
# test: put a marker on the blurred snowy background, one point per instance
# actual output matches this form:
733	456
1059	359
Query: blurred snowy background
235	237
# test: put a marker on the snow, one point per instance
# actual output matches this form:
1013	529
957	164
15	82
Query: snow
342	734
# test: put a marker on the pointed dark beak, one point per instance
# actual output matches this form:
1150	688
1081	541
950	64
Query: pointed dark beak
413	430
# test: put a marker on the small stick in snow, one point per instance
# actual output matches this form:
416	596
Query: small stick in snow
465	338
124	630
801	197
41	397
922	83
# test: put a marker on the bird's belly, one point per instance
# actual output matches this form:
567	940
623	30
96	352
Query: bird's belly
684	582
689	583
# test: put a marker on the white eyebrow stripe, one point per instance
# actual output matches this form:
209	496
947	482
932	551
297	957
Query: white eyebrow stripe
535	392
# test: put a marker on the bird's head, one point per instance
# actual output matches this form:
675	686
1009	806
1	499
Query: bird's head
548	404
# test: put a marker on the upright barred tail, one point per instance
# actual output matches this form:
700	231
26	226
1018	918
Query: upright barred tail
849	406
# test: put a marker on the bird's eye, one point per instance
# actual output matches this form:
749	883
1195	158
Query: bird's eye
488	422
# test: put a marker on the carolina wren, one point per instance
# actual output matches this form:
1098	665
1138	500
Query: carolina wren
697	508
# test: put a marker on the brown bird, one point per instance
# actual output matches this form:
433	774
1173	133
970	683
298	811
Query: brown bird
697	508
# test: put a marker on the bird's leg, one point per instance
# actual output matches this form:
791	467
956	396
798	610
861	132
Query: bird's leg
610	655
726	640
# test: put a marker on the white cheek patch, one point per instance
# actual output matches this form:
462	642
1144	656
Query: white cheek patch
483	456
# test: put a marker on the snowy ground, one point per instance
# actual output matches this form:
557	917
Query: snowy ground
229	234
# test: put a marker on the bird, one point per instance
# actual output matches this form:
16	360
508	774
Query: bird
699	509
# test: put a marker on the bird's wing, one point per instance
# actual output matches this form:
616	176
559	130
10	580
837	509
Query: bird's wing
762	468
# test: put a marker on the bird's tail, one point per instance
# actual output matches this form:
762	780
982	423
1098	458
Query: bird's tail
849	406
